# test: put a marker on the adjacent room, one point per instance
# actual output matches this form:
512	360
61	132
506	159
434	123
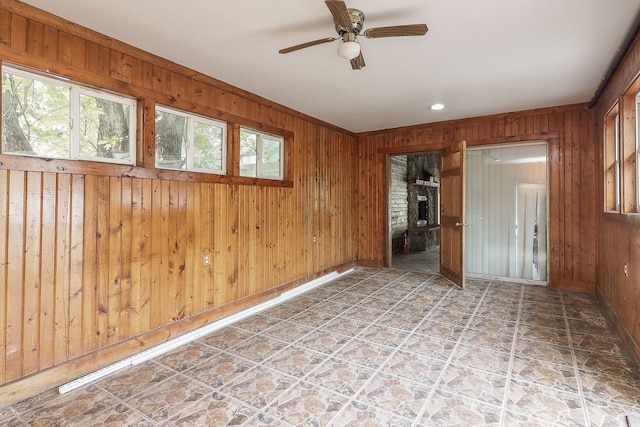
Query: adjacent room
322	213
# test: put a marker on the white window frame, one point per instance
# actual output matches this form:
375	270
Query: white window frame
191	120
259	136
637	148
617	161
74	115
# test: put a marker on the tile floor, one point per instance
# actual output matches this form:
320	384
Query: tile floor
428	260
376	347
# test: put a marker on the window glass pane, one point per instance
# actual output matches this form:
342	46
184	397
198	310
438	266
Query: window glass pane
104	128
171	140
248	153
35	117
207	146
506	208
271	157
612	160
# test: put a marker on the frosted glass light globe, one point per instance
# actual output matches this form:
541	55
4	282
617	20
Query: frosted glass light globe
349	50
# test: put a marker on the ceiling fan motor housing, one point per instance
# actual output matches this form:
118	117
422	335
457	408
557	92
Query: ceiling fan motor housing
357	22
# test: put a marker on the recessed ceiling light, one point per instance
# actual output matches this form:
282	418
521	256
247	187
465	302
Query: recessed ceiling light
437	107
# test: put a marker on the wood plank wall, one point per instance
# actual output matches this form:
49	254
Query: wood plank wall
99	262
572	164
618	235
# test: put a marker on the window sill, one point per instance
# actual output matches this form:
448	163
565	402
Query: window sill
85	167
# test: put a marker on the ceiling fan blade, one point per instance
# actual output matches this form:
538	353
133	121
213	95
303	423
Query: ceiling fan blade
340	13
396	31
357	63
308	44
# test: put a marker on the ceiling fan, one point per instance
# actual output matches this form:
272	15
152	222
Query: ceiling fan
349	23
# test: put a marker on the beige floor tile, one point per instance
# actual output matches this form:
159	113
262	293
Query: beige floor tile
135	379
258	386
295	361
51	408
364	353
215	409
377	347
358	414
169	398
220	370
402	397
306	404
446	409
474	384
548	405
340	376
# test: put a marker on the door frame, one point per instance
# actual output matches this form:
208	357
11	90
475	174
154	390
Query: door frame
386	193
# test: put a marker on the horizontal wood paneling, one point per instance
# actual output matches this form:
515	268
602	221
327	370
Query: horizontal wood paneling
100	261
618	235
572	154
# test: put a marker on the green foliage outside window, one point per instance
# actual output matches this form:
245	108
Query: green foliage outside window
45	117
260	154
188	142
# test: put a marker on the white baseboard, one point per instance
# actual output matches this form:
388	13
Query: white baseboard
198	333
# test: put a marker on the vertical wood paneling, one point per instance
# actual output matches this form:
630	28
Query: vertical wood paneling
47	269
144	250
114	257
181	246
157	245
89	261
556	198
32	285
90	327
14	279
231	282
18	32
35	38
135	247
102	264
220	249
618	237
4	199
62	272
76	257
208	274
5	28
166	288
571	154
50	43
190	248
125	225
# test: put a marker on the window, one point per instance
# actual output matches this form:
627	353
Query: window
54	118
260	154
628	152
612	160
189	142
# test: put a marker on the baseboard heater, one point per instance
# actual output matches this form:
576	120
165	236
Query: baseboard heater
198	333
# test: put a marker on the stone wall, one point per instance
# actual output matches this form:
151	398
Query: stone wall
398	200
423	167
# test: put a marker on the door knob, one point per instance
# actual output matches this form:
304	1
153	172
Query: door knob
462	224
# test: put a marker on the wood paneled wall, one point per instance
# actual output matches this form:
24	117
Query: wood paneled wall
618	235
99	262
572	164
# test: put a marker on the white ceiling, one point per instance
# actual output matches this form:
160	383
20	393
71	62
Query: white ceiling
479	57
